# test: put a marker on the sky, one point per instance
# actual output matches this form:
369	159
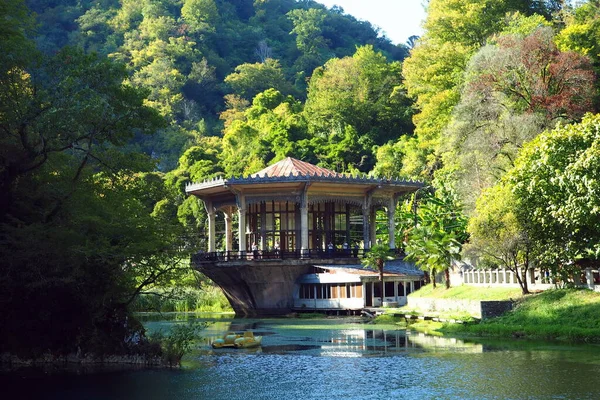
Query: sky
399	19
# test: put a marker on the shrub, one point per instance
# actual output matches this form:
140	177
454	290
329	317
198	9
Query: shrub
178	341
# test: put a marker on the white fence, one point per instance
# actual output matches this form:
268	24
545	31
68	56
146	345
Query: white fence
536	279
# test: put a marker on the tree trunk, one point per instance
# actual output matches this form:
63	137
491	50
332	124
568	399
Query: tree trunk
447	277
433	277
380	265
522	282
524	286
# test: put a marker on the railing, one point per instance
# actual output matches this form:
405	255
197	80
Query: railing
537	279
281	255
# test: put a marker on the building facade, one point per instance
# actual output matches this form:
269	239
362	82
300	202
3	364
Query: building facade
283	221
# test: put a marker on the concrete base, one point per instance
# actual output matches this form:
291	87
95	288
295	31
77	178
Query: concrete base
259	288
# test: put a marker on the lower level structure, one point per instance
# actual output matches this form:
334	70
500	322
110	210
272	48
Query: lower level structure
259	287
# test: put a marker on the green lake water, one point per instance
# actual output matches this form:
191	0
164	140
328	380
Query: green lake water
332	358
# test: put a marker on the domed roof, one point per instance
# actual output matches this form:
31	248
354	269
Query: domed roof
292	167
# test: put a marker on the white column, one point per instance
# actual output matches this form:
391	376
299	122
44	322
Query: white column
391	214
372	228
304	222
366	228
241	200
366	210
589	276
211	225
228	231
304	229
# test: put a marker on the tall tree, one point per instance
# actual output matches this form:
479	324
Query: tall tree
454	31
77	237
513	90
555	183
497	237
364	92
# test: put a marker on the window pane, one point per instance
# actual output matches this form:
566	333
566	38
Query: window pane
389	289
377	289
359	290
400	289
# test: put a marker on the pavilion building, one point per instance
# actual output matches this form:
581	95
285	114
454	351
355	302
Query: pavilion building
295	225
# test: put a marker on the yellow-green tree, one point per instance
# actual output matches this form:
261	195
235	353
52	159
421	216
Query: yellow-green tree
497	237
454	31
556	187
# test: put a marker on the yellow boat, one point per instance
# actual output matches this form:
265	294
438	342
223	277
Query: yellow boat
238	341
247	341
228	340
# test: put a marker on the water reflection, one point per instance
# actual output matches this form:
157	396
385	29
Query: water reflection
337	338
337	359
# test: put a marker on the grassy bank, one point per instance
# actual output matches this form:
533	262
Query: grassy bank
465	292
208	298
571	315
566	314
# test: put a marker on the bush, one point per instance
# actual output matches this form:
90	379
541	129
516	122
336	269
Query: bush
178	341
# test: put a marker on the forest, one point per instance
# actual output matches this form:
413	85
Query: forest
108	108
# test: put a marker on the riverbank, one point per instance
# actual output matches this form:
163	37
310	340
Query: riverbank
135	360
207	298
570	315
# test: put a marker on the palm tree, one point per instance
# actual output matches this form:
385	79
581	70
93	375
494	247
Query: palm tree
439	228
375	258
433	250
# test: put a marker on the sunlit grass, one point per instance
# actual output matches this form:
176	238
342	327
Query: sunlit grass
465	292
571	315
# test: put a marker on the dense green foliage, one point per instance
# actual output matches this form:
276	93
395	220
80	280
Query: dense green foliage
191	53
78	241
433	229
489	78
108	108
178	341
555	182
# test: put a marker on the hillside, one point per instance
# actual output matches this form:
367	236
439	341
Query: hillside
182	51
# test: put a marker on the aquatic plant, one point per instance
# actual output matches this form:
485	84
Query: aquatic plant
178	341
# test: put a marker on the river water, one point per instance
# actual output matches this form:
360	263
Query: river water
333	358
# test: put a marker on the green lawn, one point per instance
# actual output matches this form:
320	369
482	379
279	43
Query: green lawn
565	314
454	293
465	292
571	315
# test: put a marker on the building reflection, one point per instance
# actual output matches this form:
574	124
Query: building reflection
355	342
